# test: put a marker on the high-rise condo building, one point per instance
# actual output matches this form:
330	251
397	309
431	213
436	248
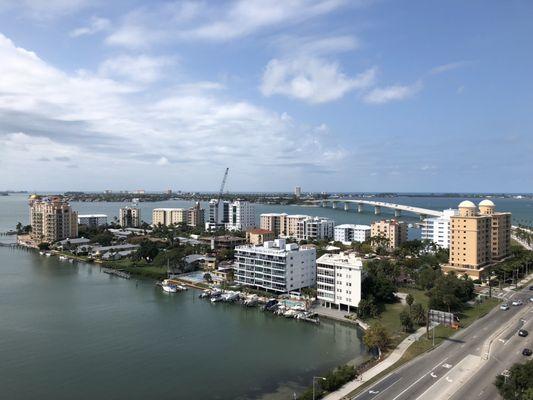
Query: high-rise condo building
349	233
52	219
298	192
281	224
241	216
339	280
394	231
275	266
437	229
130	217
478	238
195	215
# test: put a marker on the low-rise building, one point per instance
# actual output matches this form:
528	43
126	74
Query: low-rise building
223	241
92	220
193	216
339	278
395	232
275	266
100	251
349	233
259	236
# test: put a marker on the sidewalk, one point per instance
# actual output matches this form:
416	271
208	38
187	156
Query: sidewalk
396	354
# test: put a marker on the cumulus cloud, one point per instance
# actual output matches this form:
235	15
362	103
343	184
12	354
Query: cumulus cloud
392	93
119	128
312	79
96	25
141	68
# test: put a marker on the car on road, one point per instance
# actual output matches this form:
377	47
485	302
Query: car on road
504	307
531	288
527	352
517	303
523	333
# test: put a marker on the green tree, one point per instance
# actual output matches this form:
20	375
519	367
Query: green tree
367	308
148	250
208	277
409	300
44	246
418	314
406	321
377	337
519	384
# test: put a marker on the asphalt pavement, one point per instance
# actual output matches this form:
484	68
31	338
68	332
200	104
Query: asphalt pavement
414	379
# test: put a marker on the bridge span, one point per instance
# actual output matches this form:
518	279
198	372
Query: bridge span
378	205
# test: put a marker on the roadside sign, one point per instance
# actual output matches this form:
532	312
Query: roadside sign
442	317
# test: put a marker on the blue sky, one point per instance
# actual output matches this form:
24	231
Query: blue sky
330	95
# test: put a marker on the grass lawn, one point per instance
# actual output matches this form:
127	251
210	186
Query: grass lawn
390	317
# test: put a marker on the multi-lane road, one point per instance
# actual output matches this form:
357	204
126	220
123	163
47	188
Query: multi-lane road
459	367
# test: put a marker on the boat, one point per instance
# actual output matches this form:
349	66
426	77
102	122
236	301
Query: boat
63	258
270	304
251	301
230	296
216	299
290	313
169	288
205	294
41	253
47	254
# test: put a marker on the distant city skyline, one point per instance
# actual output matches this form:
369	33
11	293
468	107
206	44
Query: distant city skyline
329	95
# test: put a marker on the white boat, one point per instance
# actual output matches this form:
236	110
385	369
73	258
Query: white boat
251	301
47	254
169	288
63	258
41	253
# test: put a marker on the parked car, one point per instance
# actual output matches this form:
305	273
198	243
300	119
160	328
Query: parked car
523	333
531	288
518	303
531	299
526	352
504	307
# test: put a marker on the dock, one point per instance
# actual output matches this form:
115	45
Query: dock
117	272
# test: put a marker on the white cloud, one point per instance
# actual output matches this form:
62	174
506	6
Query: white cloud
201	21
45	9
392	93
448	67
142	68
95	25
312	79
121	130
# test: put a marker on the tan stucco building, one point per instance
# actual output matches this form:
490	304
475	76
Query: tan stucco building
392	230
193	216
52	219
478	238
281	224
259	236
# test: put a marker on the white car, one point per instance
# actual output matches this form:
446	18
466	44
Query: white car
504	307
531	299
518	303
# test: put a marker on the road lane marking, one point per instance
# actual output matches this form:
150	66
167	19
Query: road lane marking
448	379
419	379
433	375
388	387
447	366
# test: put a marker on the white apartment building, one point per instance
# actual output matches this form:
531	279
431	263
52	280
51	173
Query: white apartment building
217	215
349	233
314	228
92	220
339	279
241	216
437	229
275	266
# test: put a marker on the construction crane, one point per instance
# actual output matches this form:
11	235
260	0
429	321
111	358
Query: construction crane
223	184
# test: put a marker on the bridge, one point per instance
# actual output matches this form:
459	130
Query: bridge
378	205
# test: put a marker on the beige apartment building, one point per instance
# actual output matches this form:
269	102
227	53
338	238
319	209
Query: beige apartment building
392	230
281	224
52	219
259	236
478	238
193	216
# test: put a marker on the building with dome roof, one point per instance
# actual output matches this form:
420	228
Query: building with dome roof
478	238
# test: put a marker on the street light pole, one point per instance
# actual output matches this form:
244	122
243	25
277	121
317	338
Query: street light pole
314	379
